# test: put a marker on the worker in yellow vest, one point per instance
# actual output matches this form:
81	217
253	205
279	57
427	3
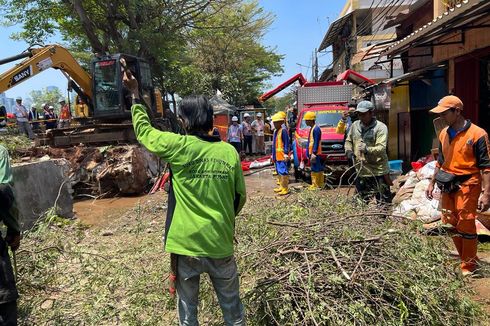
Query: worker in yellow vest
282	115
280	153
314	149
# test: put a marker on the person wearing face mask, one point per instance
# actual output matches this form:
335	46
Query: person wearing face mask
463	161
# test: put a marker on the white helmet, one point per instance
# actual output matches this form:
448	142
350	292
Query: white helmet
18	98
43	105
234	119
259	115
51	107
246	115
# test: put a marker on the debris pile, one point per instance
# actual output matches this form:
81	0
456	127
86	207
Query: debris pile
411	202
332	261
105	171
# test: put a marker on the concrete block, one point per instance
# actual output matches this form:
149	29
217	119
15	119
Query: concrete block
39	186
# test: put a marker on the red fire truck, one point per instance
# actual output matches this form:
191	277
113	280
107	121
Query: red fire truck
329	100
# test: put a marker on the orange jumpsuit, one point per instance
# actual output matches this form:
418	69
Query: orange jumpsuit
464	153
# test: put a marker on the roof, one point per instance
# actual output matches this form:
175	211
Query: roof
370	52
405	14
355	78
221	106
334	31
462	14
416	74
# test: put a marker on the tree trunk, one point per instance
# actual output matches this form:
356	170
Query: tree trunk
88	26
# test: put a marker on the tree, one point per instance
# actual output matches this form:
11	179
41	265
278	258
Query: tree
280	103
45	96
171	34
226	53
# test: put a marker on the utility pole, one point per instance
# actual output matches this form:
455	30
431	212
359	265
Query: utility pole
315	65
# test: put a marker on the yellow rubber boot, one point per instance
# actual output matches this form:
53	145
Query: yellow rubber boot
321	180
278	182
314	181
284	185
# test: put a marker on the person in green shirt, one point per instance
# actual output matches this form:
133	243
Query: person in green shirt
207	191
366	144
8	215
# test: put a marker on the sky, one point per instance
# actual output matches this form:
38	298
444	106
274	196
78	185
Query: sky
298	28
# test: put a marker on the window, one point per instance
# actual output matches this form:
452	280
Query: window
326	118
106	90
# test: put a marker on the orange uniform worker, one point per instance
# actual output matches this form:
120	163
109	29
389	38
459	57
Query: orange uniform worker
314	149
280	154
463	159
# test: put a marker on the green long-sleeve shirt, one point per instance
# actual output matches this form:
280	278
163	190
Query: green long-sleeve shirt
375	136
8	216
207	189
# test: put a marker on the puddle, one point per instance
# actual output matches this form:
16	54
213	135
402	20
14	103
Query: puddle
100	211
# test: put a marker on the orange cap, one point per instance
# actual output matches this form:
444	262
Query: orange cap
448	102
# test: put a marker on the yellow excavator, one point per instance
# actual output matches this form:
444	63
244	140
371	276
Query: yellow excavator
101	91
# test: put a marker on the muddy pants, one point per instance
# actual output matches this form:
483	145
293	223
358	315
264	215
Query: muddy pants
459	209
224	276
369	187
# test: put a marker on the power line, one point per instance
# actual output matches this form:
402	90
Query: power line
394	9
385	6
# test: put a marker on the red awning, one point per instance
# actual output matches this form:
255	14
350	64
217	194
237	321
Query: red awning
355	78
298	77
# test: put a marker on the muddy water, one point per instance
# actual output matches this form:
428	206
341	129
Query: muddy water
101	211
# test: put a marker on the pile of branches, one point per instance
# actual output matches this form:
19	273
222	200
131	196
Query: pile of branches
15	144
334	261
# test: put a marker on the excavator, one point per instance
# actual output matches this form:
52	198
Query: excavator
101	90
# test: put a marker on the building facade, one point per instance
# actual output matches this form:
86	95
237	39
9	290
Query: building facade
444	47
358	33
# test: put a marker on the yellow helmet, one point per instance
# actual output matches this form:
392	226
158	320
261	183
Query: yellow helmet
277	118
310	115
282	114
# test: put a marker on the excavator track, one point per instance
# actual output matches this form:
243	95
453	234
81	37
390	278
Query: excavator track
100	133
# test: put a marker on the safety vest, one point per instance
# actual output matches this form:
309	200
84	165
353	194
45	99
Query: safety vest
311	142
65	113
279	146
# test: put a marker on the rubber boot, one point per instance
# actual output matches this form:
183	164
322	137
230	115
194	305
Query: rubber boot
321	180
469	260
284	185
278	182
314	181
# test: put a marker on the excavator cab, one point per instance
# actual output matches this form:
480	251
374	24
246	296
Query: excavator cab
111	99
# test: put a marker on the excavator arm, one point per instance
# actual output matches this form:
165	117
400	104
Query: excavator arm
296	78
40	59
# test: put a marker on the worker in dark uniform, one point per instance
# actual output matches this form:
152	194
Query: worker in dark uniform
8	215
314	149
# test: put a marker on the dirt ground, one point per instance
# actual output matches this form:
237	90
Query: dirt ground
100	215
